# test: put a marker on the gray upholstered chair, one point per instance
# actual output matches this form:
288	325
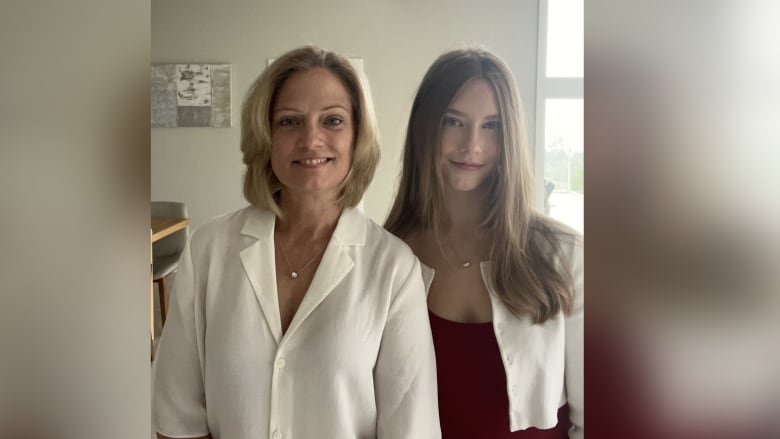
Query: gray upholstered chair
166	252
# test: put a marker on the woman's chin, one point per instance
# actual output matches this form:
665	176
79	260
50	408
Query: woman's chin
465	186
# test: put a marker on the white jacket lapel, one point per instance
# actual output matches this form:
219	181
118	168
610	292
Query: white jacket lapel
335	265
259	265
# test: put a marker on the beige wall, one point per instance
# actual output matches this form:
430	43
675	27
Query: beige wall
398	40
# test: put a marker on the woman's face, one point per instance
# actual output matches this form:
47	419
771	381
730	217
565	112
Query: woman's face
312	133
470	137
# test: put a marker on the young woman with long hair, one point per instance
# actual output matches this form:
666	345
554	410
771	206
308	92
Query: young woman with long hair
505	282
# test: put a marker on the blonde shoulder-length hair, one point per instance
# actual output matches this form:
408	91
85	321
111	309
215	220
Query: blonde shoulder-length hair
260	182
525	273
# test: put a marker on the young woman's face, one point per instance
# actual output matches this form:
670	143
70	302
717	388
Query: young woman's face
470	137
312	133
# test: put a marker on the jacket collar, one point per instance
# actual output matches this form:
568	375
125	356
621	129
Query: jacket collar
350	230
258	260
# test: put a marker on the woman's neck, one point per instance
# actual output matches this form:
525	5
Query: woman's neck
464	239
466	209
308	217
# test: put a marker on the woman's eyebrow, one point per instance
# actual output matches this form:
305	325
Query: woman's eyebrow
462	114
330	107
295	110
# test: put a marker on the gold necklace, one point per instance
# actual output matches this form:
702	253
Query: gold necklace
295	273
465	263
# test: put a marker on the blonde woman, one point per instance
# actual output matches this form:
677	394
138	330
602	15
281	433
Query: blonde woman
298	317
504	281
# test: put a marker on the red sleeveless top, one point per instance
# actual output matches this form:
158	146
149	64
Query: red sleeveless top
473	402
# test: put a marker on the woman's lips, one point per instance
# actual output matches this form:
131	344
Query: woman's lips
312	163
467	166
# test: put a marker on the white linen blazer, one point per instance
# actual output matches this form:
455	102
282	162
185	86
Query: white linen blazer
357	360
543	362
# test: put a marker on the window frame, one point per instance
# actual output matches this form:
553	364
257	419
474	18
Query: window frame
548	88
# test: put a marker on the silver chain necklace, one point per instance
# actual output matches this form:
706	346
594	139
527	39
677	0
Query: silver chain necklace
295	273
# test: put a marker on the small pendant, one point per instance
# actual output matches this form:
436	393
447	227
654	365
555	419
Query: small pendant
466	264
294	275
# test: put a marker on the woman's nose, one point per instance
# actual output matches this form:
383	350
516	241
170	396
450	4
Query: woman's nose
472	140
311	136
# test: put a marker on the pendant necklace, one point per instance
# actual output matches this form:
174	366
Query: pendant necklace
295	273
465	263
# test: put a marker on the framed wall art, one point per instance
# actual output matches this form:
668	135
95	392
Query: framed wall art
191	95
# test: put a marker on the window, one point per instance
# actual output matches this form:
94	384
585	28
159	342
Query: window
559	144
565	33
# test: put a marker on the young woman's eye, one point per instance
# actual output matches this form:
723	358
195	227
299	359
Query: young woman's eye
492	125
334	121
287	122
451	122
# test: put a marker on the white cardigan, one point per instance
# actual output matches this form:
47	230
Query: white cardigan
357	360
543	363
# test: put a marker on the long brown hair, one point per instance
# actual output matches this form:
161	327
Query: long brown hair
525	273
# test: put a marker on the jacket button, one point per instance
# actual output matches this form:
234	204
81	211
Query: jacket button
280	363
509	359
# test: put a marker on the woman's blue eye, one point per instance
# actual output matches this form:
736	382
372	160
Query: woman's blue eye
287	122
334	121
451	122
492	125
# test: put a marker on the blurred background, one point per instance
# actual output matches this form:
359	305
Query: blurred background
682	153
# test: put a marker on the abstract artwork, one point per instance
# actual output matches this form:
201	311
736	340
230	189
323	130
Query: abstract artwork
191	95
